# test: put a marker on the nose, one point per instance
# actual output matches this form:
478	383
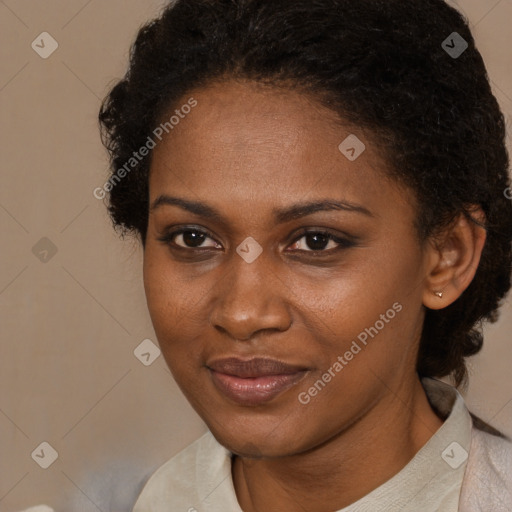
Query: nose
251	298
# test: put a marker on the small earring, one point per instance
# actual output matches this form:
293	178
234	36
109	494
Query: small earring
439	294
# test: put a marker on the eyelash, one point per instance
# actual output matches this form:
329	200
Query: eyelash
344	243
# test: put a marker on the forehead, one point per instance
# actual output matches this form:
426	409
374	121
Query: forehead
248	141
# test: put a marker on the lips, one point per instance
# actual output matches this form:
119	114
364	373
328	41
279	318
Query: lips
254	381
257	367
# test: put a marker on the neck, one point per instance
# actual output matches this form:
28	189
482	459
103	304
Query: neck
348	466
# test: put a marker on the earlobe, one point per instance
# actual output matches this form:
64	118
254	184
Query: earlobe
455	258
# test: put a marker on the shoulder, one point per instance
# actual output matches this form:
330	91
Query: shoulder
487	481
176	482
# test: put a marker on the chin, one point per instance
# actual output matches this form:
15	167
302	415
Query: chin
251	448
253	441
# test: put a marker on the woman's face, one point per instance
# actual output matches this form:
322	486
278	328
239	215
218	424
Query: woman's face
342	317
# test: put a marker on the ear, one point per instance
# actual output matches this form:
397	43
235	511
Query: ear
454	256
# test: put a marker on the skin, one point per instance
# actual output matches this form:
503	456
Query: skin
244	150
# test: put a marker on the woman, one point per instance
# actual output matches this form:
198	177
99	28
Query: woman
320	191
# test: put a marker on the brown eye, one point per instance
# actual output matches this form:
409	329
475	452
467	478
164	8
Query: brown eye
189	238
317	241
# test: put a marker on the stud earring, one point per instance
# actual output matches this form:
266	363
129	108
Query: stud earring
439	294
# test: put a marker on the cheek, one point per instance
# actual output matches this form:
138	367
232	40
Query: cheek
166	296
158	295
173	307
370	315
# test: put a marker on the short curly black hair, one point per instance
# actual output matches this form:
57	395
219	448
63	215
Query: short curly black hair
380	64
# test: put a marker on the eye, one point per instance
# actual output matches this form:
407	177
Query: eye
191	238
316	240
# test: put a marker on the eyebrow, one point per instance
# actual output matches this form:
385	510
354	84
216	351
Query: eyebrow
281	215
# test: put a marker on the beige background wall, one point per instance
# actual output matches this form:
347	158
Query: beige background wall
69	325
